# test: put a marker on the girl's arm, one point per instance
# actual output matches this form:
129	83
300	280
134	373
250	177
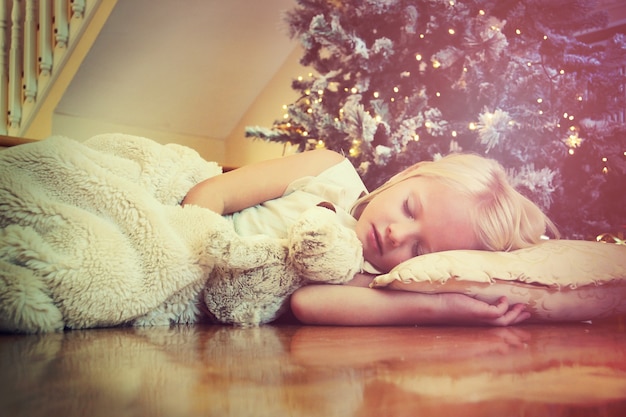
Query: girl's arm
349	305
256	183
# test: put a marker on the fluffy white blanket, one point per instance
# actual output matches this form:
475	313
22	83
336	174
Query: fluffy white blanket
92	234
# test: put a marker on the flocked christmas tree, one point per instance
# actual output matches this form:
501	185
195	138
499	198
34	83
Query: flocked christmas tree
399	81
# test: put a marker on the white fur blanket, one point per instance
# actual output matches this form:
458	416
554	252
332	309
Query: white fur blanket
92	234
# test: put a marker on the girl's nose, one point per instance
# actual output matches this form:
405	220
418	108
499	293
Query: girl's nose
399	233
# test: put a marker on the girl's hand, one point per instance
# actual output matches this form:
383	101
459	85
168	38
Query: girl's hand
462	309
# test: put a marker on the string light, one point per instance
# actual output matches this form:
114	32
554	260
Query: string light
451	31
436	64
518	32
481	12
418	57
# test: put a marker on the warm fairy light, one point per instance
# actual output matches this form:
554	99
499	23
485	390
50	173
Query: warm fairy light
436	64
565	115
518	32
580	98
285	116
454	133
539	100
604	159
451	31
562	72
421	36
354	90
438	94
305	133
300	78
320	92
464	69
481	12
570	151
418	57
320	144
376	94
416	137
452	2
378	118
396	89
571	117
284	107
540	111
530	64
428	124
545	37
392	99
307	92
573	141
472	126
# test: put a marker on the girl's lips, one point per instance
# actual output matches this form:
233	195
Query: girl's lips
376	240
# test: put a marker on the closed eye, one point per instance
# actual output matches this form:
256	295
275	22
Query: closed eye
407	209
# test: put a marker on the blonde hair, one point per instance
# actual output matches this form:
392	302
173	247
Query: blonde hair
503	218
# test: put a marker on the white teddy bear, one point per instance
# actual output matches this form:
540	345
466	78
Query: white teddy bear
250	278
317	249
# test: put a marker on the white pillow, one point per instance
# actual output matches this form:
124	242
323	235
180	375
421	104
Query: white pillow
557	279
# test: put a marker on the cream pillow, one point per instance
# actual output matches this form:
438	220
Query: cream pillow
557	279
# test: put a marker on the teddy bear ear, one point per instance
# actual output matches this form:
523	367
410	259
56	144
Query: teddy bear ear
328	205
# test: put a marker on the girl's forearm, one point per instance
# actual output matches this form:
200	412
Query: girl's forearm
358	306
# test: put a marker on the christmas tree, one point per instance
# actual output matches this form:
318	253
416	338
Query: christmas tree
394	82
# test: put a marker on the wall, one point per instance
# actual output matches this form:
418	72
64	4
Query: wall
266	108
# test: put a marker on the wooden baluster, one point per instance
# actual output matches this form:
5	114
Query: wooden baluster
45	38
5	23
61	25
15	67
78	9
30	52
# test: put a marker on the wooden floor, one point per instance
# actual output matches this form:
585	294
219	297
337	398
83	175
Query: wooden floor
548	370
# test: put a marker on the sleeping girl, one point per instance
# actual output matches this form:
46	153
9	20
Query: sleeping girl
460	201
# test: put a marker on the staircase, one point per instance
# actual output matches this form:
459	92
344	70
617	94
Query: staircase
42	44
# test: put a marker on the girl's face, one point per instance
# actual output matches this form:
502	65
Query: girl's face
413	217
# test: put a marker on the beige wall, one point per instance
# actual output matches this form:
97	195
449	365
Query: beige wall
234	151
266	108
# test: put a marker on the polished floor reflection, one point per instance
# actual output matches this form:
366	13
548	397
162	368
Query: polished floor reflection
555	370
